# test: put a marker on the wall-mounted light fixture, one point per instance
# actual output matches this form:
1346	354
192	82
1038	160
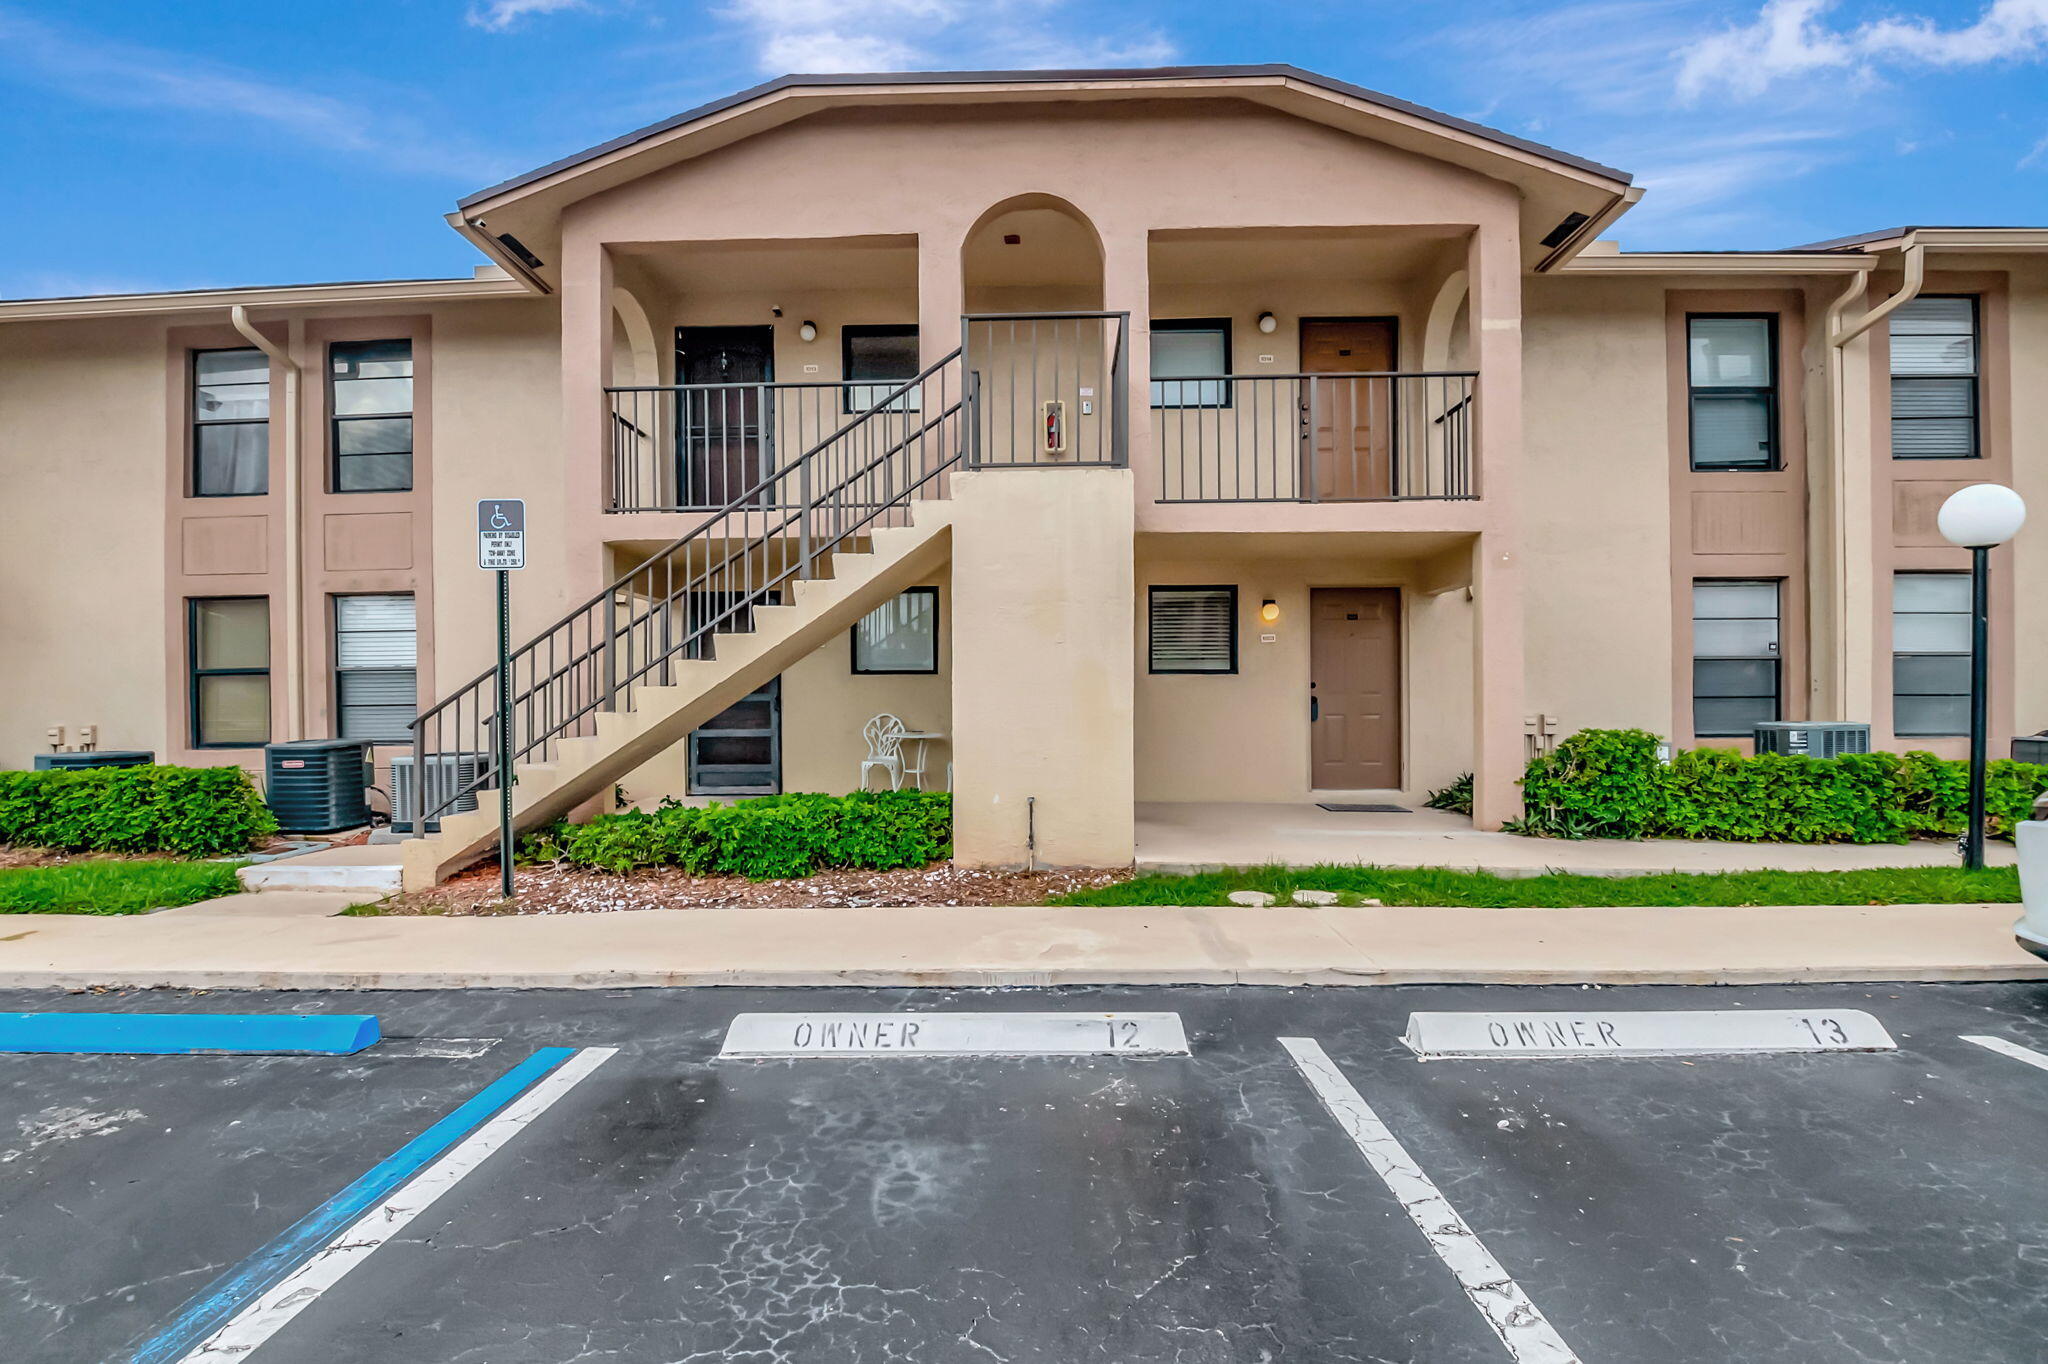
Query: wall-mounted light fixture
808	330
1268	323
1269	610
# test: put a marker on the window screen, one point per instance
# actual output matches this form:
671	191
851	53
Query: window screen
1736	669
1733	372
371	385
1187	355
230	423
1934	378
230	653
887	354
376	659
900	636
1930	654
1193	629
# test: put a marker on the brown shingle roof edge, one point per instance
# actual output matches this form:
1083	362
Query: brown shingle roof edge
1143	73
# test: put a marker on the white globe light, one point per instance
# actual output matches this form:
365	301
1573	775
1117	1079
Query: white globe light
1981	515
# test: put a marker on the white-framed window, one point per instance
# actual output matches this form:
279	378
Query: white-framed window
1192	629
1930	654
1189	356
899	636
1934	378
376	667
1737	671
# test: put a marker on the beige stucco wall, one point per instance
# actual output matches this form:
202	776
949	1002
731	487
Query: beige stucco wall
82	636
824	705
1245	736
1596	504
1042	671
2029	576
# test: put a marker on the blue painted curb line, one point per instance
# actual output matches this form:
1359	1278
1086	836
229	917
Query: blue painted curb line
228	1294
175	1034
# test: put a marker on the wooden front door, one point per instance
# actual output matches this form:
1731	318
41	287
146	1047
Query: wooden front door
1355	688
1349	447
721	441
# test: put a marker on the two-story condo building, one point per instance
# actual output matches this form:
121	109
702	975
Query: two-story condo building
1224	434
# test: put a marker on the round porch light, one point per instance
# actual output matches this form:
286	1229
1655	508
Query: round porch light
1268	323
1981	515
1269	610
808	330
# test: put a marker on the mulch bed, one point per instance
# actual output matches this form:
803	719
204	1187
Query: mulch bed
576	890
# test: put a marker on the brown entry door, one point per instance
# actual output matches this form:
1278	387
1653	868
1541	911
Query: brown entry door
721	433
1355	688
1348	445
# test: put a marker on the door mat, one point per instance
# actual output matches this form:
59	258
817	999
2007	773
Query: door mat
1365	809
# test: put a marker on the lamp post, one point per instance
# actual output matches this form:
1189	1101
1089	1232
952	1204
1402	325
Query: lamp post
1980	518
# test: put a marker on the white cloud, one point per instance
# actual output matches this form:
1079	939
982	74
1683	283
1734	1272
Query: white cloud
813	36
1793	38
97	71
499	15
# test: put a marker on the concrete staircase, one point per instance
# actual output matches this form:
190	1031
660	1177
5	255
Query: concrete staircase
861	574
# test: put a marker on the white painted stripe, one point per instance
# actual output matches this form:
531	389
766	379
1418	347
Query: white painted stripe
755	1036
1500	1299
2013	1049
264	1317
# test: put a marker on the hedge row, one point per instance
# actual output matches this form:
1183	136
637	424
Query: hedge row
1609	783
769	837
190	811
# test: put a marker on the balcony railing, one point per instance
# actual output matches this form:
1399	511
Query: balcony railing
693	447
1316	437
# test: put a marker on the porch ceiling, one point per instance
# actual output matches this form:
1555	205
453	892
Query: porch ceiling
1299	545
877	263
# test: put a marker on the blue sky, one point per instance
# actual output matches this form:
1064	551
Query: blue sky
199	143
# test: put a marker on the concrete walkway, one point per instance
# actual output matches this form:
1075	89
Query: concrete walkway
284	940
1205	837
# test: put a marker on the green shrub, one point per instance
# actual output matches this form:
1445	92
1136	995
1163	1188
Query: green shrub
1603	783
190	811
769	838
1457	797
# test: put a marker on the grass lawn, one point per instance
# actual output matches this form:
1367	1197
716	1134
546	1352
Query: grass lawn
113	886
1914	885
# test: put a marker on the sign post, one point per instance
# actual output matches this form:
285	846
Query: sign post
501	547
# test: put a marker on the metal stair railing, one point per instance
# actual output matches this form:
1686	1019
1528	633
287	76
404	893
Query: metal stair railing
672	605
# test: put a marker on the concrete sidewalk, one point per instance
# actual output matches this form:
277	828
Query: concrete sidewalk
295	945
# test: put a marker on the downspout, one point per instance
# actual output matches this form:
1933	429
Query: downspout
294	608
1839	336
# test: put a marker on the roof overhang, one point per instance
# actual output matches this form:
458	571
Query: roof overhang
1555	186
1743	263
294	296
1940	239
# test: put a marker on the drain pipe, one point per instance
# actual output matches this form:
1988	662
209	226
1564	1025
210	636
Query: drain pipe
294	613
1839	336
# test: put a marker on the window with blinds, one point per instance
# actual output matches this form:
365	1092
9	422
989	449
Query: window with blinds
376	667
1188	357
229	649
1930	654
1736	673
1732	370
899	636
1193	629
1934	378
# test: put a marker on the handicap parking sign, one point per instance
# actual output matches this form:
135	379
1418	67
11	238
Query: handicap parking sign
501	533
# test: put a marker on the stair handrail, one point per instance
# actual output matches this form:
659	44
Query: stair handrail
739	505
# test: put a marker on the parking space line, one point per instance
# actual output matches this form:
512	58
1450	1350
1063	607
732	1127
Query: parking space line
298	1290
228	1294
2013	1049
1507	1309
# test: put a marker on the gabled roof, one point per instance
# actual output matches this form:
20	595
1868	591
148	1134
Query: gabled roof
1122	74
1934	234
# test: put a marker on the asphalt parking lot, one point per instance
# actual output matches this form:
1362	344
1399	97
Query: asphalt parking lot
656	1205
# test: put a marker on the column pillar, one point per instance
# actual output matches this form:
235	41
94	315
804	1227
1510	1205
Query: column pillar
1498	750
586	288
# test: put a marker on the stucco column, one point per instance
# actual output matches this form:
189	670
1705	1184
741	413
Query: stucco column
1857	583
1127	287
586	289
1042	667
1497	657
940	290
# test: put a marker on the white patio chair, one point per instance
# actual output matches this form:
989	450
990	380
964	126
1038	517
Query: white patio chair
884	735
